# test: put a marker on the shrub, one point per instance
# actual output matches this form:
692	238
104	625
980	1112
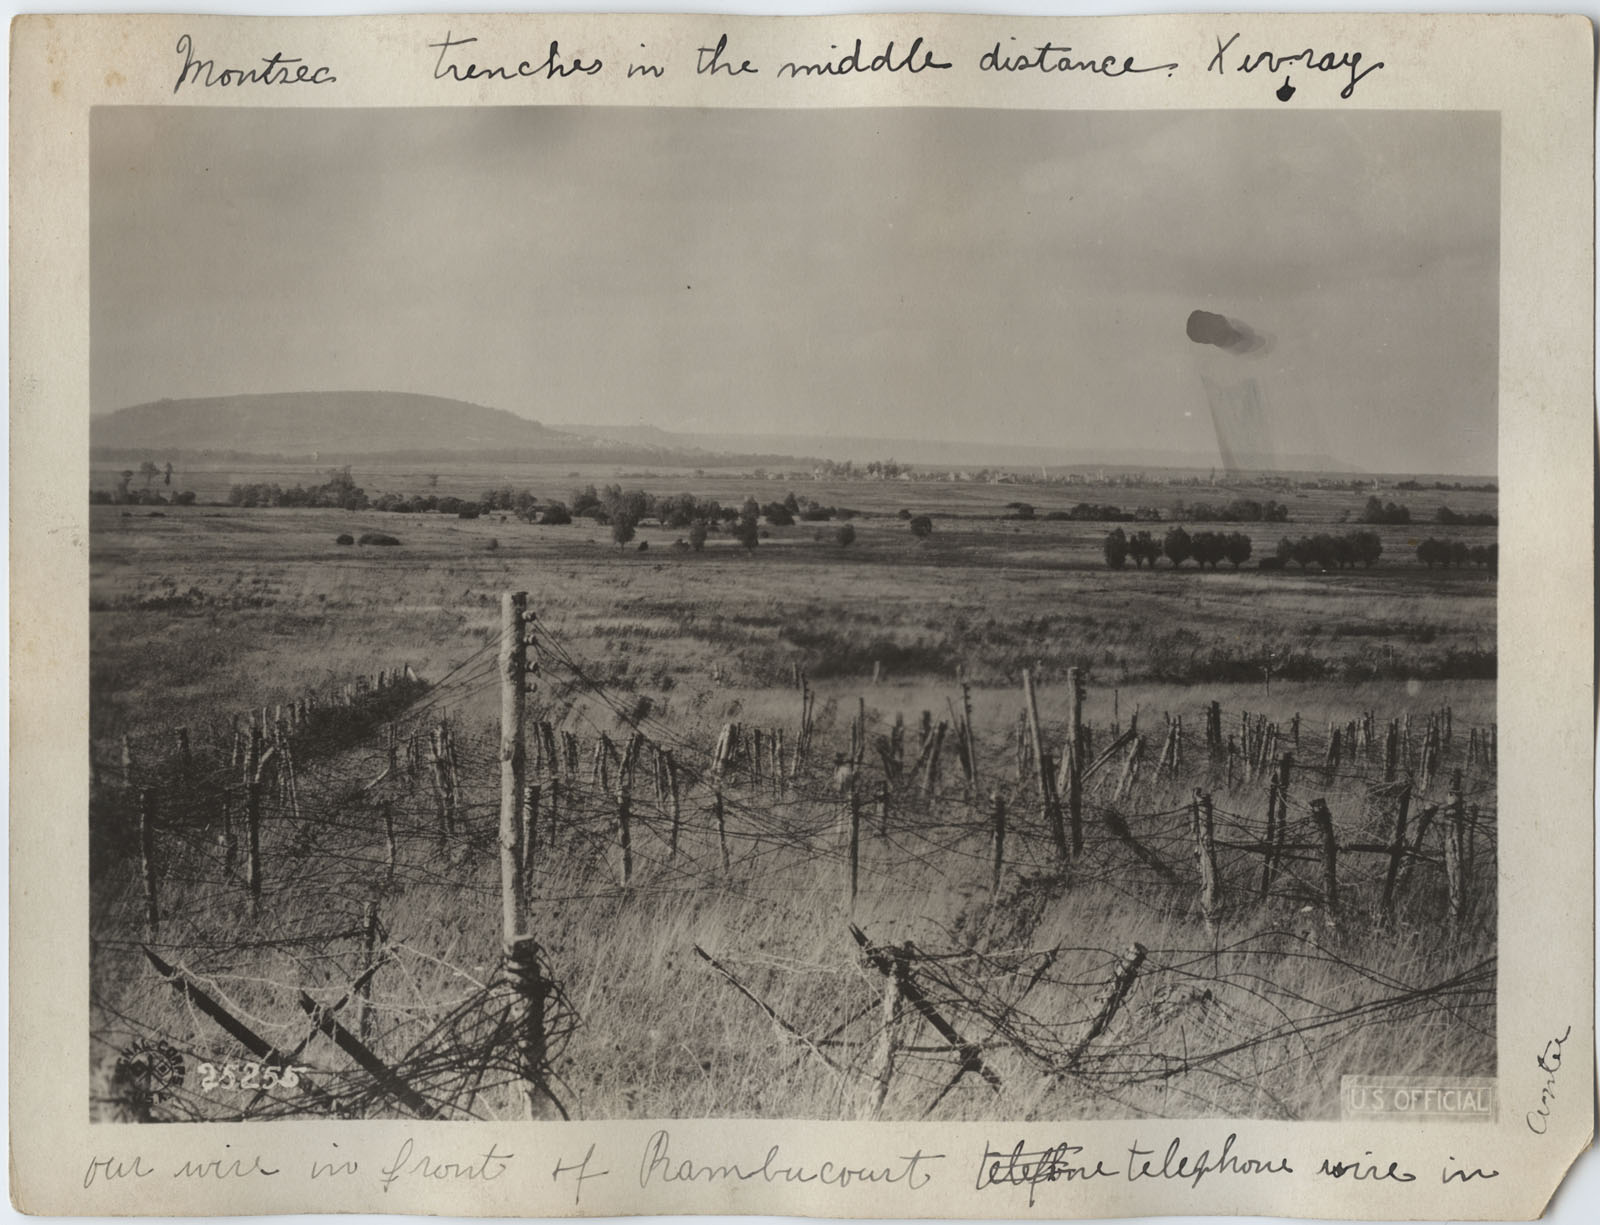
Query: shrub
378	538
492	545
921	527
697	536
344	538
467	512
556	514
846	534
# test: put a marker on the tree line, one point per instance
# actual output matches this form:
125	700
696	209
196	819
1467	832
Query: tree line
1177	546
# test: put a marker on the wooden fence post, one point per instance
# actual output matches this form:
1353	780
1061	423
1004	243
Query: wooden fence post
673	800
883	810
625	828
1075	757
1050	810
888	1035
722	825
1330	857
1397	852
855	844
252	815
369	954
530	833
998	803
513	682
969	735
390	849
1206	849
1454	857
147	860
1268	842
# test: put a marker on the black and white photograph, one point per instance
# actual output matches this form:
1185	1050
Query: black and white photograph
865	617
949	614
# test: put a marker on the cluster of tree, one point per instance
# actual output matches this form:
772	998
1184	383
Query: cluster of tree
1458	553
1456	518
1331	552
123	496
1240	510
921	526
1141	547
1178	546
375	538
1083	512
1487	487
340	490
1378	511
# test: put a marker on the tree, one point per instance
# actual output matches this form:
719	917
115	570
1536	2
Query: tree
748	531
123	478
697	536
1237	549
1143	548
1177	546
1116	549
1369	547
846	535
149	471
921	527
779	514
1431	553
556	514
622	528
168	479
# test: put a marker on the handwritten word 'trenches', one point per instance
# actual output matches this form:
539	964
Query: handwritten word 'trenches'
277	69
553	67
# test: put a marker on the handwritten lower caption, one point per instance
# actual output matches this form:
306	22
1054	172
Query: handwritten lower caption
464	59
1029	1172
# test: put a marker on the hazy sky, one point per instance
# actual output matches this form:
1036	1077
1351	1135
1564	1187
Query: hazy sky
1008	276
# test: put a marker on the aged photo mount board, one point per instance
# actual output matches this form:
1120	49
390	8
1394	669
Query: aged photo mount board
899	217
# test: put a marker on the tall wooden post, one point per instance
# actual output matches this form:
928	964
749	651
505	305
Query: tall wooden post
388	840
1206	850
625	827
1075	757
513	679
1397	851
530	833
1454	857
1330	857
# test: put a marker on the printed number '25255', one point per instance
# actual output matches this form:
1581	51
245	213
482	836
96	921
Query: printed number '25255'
249	1076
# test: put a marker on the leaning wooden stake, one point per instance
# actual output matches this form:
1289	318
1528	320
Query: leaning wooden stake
898	967
369	956
671	768
888	1038
1116	992
855	844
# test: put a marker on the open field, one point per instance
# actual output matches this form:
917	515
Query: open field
1255	1008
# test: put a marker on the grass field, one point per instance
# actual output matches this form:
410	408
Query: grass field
205	612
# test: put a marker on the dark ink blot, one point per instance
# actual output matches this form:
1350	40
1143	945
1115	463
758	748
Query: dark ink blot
1285	91
1206	328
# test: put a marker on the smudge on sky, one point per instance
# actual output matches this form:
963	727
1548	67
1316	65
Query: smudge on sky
1206	328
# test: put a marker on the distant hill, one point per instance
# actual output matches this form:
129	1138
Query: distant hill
325	422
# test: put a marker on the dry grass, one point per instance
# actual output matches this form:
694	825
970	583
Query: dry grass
206	612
